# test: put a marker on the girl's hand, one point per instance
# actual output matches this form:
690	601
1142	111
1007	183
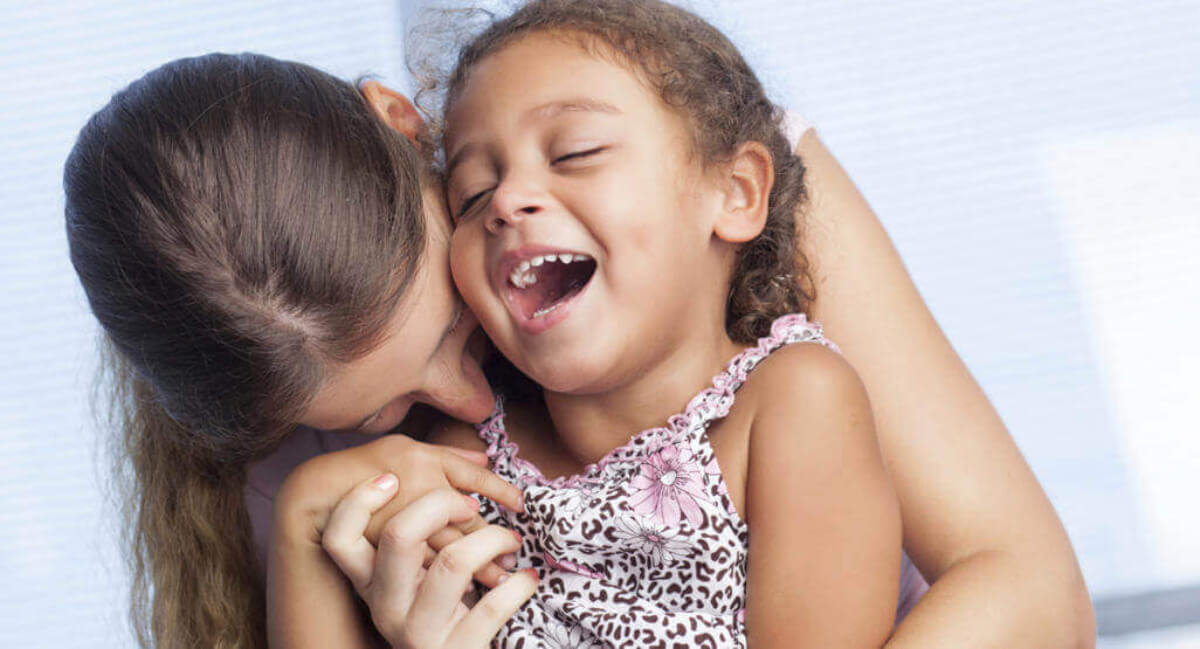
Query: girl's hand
415	597
307	498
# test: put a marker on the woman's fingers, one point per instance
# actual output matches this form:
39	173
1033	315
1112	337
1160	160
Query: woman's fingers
480	625
450	573
476	457
467	476
343	535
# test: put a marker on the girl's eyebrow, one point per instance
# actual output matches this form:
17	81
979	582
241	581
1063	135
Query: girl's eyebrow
544	111
573	105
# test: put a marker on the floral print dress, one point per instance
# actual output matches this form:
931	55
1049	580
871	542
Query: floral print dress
643	548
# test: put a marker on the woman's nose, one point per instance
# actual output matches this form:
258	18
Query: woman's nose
460	390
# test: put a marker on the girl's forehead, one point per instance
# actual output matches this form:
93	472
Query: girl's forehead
545	70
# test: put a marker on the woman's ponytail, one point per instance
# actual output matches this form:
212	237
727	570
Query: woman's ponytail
188	545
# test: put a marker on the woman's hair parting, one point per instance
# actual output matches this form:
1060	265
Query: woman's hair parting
699	73
240	226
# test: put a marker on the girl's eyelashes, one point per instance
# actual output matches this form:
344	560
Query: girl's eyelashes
469	203
577	155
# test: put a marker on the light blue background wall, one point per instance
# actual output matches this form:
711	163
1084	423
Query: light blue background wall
1037	164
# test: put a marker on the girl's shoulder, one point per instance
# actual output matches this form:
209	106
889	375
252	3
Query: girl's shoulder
801	371
799	395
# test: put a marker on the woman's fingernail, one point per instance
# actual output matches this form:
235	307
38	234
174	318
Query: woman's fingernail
471	502
385	482
508	561
532	573
520	539
501	579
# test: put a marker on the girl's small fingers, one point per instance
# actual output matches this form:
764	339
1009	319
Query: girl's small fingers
490	574
448	575
403	546
343	538
495	608
473	478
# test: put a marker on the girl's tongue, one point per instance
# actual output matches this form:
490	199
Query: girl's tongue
535	290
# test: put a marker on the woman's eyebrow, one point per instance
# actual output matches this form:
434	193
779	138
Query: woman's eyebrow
458	313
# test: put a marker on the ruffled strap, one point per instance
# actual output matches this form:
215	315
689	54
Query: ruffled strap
501	451
715	402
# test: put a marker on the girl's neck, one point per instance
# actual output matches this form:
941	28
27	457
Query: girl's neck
591	425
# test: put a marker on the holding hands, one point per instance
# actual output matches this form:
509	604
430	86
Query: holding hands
409	549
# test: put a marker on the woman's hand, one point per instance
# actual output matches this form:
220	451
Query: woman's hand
416	600
310	601
310	493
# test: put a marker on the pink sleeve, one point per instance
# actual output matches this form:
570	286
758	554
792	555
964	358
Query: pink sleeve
265	476
912	588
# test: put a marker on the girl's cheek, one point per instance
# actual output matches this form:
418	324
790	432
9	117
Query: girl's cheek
467	263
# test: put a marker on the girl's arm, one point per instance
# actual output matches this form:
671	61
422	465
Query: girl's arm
976	522
824	563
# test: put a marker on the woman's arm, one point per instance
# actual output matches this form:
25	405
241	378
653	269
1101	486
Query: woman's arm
824	561
976	522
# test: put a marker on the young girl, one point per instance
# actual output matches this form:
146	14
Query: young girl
623	197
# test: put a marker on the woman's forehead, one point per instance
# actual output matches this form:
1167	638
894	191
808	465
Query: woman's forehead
398	365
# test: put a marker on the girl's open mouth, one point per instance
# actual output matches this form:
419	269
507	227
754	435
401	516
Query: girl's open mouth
541	285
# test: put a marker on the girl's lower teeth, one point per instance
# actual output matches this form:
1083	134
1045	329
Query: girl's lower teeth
541	312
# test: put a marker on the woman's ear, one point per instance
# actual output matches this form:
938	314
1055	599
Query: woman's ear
394	109
749	177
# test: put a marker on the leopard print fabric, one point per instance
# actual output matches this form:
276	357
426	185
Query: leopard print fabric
643	548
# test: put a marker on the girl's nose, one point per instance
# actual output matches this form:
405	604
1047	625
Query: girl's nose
512	203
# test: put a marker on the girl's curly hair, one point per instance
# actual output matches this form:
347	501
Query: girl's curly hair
698	72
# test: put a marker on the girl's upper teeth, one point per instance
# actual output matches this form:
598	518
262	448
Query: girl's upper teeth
521	277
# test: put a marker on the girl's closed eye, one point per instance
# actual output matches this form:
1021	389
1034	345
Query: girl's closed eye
468	203
578	155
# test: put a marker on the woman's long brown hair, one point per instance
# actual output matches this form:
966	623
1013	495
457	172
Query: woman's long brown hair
240	225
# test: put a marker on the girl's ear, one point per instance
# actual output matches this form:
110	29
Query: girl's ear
749	177
394	109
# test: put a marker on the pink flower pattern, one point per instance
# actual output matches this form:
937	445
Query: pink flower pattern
670	484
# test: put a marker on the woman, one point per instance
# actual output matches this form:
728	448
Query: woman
241	302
